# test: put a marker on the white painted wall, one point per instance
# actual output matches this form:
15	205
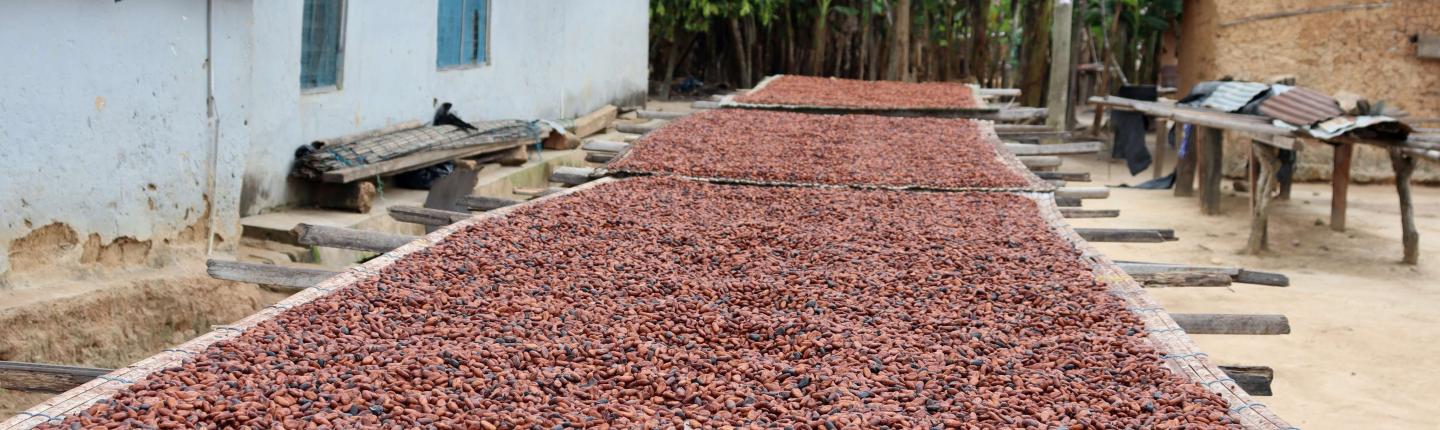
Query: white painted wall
548	59
99	100
103	120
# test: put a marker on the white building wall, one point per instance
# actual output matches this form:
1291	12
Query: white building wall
548	59
103	125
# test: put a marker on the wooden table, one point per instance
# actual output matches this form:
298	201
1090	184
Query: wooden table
1266	141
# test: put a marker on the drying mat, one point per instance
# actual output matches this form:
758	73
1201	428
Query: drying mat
1181	354
106	386
971	112
987	133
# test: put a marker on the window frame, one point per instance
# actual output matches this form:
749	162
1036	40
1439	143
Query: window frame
464	65
339	53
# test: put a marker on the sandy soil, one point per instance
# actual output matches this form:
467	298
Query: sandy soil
1365	329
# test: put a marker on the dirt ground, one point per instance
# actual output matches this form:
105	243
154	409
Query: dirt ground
113	318
1365	334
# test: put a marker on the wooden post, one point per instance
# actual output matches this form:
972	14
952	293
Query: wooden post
45	378
292	278
349	238
1255	380
1268	159
1057	99
1404	165
1185	165
1162	148
572	175
1211	155
426	216
1065	176
1232	323
1340	185
1133	235
1089	213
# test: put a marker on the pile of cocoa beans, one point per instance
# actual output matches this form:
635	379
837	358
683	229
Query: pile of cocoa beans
664	303
794	90
823	149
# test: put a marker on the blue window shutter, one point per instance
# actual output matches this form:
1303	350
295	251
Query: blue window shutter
447	33
479	9
320	43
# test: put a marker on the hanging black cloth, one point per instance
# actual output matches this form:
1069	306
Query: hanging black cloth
1129	129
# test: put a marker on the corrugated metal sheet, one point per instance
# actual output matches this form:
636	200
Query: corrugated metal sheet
1300	106
1231	96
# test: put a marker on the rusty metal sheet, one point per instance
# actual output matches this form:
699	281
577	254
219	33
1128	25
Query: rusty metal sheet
1301	106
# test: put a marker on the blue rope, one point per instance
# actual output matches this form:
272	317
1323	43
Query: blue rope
114	379
37	414
1184	356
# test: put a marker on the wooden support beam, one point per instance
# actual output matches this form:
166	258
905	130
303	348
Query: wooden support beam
641	128
655	114
358	196
537	192
704	104
597	145
1404	165
486	203
1255	380
1003	92
1084	192
1034	135
599	157
1232	323
1055	183
1183	279
1340	185
1268	159
1185	165
1089	213
290	278
1236	274
595	122
1067	202
1247	276
45	378
1211	156
1132	235
1019	114
1065	176
1040	161
415	161
349	238
426	216
1068	148
572	175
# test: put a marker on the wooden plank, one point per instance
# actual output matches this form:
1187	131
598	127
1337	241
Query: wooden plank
599	157
292	278
1040	161
1247	276
1340	185
655	114
1067	202
572	175
1232	324
1186	163
1255	380
1211	157
1001	92
415	161
352	138
45	378
426	216
485	203
1017	114
1069	148
1089	213
1084	192
595	122
537	192
597	145
641	128
1065	176
1141	268
1130	235
1183	279
705	104
349	238
1034	135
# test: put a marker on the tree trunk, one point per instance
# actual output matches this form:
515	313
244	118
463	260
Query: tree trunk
817	49
900	42
742	59
862	61
1035	49
979	62
672	59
